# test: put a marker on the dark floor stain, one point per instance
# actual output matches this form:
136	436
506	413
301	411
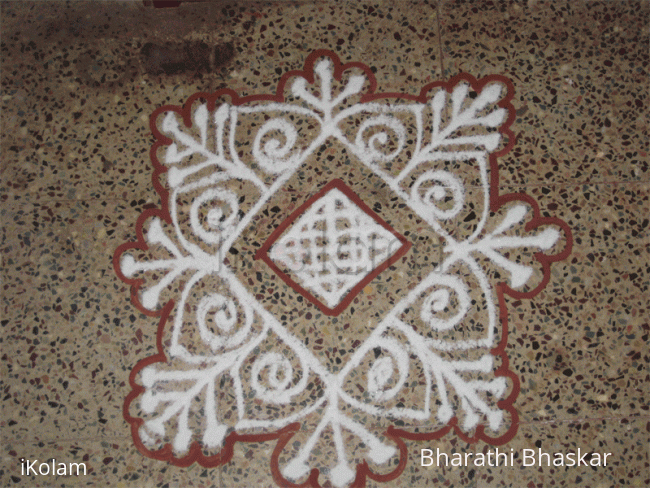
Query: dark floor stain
223	53
175	58
182	57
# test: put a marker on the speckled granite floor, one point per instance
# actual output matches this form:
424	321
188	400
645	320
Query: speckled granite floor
80	81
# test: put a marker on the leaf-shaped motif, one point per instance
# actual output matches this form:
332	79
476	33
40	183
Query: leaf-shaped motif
466	115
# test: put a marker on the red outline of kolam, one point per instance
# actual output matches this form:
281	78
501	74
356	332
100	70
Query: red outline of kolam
284	435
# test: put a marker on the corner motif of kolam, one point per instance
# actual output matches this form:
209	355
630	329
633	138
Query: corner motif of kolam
238	281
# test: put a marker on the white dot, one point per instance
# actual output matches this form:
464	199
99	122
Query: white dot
214	217
439	193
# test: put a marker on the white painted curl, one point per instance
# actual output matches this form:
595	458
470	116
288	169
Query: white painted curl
275	157
383	369
371	149
427	198
279	378
225	318
439	299
214	215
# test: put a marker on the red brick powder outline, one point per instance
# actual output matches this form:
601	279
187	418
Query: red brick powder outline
284	435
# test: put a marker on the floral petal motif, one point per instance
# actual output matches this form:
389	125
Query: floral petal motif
238	360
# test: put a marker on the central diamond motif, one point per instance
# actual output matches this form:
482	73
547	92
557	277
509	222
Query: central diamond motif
331	247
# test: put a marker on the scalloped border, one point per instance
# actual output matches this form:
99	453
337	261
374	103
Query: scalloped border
284	435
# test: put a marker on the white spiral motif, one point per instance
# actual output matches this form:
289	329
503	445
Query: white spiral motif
432	187
439	299
225	318
372	150
275	157
383	370
278	375
214	220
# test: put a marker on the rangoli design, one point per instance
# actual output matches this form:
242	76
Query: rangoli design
331	267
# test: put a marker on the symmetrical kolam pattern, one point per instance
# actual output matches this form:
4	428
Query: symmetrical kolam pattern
222	159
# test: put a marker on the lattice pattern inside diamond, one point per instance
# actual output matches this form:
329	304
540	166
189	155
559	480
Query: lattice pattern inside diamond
333	246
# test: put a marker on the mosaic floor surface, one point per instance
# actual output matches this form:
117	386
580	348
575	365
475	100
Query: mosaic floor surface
244	250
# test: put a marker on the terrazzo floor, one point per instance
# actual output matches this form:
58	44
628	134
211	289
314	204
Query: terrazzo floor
79	83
